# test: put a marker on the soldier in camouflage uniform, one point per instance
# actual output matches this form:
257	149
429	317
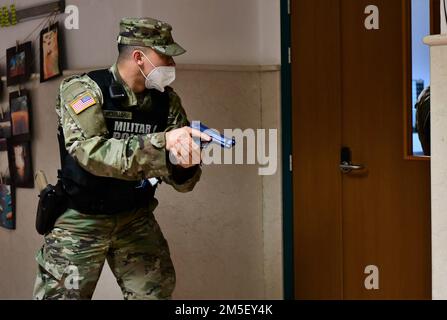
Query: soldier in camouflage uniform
73	255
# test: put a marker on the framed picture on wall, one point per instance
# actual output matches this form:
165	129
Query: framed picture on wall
18	64
21	162
7	214
5	172
7	207
50	53
5	121
20	113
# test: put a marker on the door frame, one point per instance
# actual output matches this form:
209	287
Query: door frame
287	176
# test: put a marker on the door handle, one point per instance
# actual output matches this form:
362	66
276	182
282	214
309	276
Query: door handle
347	167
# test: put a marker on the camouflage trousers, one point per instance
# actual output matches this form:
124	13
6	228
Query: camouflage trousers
72	257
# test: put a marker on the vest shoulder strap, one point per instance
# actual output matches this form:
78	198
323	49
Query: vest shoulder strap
103	79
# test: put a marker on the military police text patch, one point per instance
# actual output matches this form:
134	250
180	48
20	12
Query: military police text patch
82	103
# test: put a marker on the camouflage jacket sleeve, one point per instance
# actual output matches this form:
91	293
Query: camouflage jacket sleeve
183	180
85	134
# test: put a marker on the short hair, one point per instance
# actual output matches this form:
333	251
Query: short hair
125	51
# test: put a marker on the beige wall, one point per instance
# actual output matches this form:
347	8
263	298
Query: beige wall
217	32
438	164
226	238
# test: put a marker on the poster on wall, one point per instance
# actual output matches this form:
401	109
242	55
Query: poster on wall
18	64
20	113
50	53
5	121
7	214
21	163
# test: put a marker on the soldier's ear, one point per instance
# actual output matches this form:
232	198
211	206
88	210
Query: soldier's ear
138	57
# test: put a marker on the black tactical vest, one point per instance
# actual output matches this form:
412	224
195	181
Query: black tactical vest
92	194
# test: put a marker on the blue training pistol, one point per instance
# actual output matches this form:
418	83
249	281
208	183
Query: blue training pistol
216	137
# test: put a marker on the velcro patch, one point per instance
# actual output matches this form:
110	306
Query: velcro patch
83	103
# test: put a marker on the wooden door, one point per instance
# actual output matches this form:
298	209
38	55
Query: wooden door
349	90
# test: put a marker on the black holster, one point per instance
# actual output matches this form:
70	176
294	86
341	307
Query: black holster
52	204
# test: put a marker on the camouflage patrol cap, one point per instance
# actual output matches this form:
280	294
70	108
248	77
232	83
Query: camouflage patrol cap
149	32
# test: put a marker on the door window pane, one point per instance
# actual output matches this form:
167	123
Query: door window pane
420	18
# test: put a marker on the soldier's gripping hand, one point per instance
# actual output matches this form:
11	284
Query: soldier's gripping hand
183	148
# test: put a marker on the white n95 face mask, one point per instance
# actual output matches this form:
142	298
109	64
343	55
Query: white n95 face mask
159	78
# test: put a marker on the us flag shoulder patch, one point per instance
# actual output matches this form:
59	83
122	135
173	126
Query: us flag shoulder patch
82	103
